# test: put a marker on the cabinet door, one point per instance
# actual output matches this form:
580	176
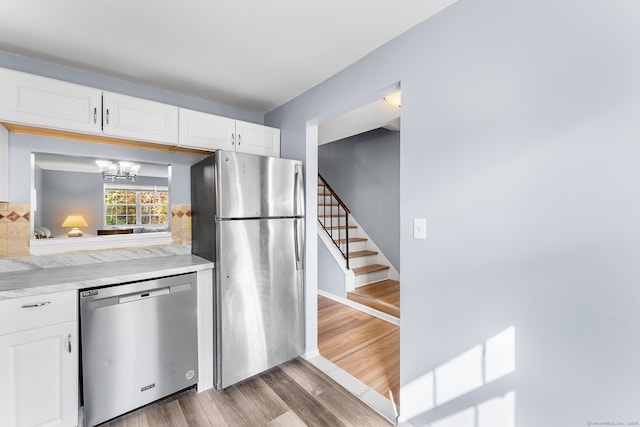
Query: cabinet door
139	119
39	377
206	131
257	139
44	102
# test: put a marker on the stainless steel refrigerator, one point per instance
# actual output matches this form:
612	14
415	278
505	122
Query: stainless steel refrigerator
248	218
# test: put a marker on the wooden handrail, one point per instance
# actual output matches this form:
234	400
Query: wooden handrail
332	194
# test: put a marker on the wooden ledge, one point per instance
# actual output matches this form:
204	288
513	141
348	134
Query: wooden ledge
56	133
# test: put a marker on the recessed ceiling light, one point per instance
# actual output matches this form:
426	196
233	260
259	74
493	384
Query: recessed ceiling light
395	99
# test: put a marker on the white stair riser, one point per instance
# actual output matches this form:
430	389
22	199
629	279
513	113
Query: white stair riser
341	233
322	210
376	276
355	246
332	221
362	261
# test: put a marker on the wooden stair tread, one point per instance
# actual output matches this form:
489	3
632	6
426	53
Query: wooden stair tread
358	271
341	227
358	254
331	215
386	290
353	240
374	303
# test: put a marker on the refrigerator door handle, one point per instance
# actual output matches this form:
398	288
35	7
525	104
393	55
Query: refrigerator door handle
296	191
296	239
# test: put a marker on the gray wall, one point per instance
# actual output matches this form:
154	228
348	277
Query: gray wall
365	172
520	146
37	214
330	276
64	193
20	145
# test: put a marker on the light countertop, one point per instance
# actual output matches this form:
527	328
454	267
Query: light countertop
20	283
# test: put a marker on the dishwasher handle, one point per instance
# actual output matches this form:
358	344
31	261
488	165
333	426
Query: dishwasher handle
143	295
92	299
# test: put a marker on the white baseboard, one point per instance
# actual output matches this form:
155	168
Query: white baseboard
311	354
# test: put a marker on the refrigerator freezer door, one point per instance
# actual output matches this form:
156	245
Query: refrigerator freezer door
256	186
259	297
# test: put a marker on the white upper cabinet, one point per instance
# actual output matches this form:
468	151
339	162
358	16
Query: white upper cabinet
257	139
210	132
134	118
44	102
206	131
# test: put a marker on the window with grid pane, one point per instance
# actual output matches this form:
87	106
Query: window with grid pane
126	205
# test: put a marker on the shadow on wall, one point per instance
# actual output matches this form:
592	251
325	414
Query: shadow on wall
437	395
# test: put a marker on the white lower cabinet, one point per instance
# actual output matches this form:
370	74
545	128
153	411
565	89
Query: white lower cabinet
39	365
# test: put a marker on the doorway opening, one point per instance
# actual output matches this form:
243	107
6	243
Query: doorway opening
357	154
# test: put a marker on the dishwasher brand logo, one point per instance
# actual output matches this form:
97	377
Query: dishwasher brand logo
89	293
148	387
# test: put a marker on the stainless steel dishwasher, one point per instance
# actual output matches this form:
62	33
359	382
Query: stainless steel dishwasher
139	344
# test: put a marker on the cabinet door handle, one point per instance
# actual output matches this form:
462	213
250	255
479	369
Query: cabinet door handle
38	304
69	343
233	139
239	139
95	115
107	116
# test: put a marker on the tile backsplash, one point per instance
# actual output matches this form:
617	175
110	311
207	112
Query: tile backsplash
15	228
181	224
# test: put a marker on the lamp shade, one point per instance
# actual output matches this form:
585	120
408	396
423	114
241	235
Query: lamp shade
75	220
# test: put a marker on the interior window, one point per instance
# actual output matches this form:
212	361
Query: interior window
135	205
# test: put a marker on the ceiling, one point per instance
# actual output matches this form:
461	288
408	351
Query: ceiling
251	54
374	115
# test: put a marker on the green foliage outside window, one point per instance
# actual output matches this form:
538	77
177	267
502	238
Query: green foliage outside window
136	206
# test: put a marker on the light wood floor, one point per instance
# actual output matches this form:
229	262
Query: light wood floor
382	296
366	347
387	291
294	394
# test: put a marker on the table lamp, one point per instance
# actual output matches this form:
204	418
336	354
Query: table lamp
75	221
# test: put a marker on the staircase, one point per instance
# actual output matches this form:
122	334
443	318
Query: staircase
374	283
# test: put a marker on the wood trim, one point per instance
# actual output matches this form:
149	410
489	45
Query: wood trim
57	133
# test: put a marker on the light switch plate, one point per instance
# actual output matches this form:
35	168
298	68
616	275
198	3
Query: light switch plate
419	228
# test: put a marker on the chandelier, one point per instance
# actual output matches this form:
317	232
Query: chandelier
121	170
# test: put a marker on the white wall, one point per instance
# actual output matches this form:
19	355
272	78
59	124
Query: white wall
520	145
